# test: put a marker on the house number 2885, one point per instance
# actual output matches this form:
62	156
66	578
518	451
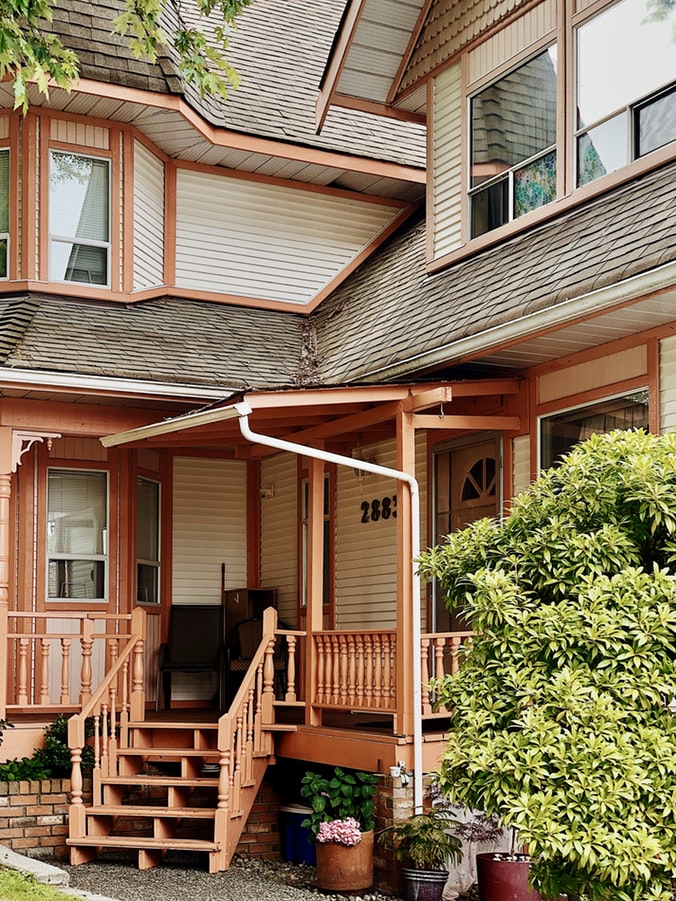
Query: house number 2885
379	508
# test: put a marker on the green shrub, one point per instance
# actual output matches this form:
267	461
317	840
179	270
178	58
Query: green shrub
53	759
338	797
559	724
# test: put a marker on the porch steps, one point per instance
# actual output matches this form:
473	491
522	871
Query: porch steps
155	793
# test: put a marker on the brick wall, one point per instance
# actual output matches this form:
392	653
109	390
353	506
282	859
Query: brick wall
34	816
393	802
261	836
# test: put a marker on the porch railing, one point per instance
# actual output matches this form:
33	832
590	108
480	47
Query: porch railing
356	670
56	660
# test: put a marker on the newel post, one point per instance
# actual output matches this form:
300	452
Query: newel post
138	698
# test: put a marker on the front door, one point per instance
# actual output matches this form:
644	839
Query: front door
466	489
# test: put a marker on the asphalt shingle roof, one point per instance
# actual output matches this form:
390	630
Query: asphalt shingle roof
168	341
279	49
391	309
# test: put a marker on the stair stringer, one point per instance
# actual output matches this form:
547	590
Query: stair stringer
229	826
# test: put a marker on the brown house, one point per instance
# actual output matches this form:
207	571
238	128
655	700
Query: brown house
245	375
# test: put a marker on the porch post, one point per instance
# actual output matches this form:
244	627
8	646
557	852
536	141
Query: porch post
315	583
404	718
5	497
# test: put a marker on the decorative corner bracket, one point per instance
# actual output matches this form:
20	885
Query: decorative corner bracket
23	440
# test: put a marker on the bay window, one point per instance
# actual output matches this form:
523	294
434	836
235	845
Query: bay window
79	218
77	534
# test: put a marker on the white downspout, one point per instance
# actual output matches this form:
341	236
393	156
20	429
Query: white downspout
244	410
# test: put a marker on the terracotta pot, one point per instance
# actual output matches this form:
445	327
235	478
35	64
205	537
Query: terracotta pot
343	869
424	885
504	880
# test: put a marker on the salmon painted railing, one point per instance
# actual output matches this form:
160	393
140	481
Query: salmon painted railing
52	657
119	698
356	670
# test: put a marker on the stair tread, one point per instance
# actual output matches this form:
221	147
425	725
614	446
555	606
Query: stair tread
152	724
171	781
137	810
139	841
168	752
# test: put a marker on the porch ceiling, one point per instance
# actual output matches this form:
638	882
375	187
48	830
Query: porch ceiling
340	417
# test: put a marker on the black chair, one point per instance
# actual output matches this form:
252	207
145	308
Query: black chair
243	642
196	645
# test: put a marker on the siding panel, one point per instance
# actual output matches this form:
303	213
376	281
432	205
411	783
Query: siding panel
279	534
209	528
668	384
148	218
447	161
259	240
521	463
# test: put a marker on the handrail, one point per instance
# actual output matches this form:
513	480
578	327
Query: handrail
108	719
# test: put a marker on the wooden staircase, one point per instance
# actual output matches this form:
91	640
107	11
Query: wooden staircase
161	785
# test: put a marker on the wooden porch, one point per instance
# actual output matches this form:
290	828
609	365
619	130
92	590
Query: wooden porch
158	774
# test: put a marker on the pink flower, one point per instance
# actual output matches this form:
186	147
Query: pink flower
343	832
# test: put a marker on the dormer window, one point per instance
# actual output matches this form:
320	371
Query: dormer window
79	218
513	144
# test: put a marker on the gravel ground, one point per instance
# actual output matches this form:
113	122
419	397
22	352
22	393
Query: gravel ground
182	879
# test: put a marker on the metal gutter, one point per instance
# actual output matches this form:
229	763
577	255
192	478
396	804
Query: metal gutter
244	410
106	384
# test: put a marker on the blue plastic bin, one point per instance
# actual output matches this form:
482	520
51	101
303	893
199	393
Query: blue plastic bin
297	844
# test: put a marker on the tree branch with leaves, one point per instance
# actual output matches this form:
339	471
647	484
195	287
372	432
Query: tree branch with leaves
30	52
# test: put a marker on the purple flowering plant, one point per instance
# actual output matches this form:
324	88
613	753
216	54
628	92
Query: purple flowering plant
342	805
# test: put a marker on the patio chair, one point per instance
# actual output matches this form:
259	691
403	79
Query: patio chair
245	638
196	645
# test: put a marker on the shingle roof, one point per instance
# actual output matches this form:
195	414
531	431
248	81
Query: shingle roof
391	309
279	49
168	341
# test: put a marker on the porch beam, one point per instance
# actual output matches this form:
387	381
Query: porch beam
469	421
332	396
441	395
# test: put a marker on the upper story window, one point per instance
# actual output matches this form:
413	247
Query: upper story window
513	144
4	213
77	534
618	84
626	99
79	218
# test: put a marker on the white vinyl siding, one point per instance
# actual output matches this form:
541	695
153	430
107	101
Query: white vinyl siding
148	218
520	463
267	241
668	384
447	161
209	529
279	533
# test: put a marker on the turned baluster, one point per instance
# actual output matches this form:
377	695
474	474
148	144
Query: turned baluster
291	668
368	672
321	669
335	668
86	643
23	671
425	676
44	670
352	671
344	665
377	671
359	681
455	647
224	780
65	670
388	664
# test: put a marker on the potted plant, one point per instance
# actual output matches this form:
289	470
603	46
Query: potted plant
426	842
342	825
559	723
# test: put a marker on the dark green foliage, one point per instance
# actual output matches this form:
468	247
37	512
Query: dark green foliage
53	760
423	841
339	796
560	725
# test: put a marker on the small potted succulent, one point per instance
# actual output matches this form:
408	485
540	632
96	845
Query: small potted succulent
341	823
426	842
